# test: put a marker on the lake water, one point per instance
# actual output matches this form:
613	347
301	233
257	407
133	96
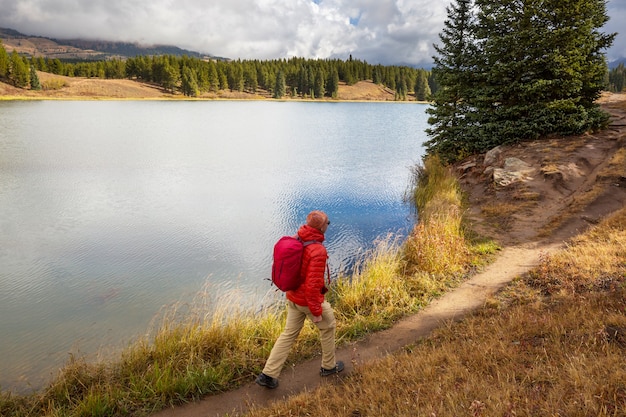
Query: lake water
112	211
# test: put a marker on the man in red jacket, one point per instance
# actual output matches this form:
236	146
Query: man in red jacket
307	301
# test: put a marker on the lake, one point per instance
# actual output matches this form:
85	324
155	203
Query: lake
112	212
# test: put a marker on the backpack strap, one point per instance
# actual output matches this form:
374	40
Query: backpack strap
310	242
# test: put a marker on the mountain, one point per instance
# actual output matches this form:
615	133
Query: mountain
614	64
83	49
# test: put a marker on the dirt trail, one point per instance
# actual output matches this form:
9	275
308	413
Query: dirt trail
557	197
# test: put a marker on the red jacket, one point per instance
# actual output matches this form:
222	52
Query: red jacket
311	292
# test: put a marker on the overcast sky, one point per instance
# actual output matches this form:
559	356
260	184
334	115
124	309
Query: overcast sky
377	31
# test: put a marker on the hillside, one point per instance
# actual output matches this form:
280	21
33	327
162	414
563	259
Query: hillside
84	49
59	87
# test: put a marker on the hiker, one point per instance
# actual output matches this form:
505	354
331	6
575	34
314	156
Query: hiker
307	301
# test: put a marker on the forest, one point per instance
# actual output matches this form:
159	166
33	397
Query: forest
511	71
192	76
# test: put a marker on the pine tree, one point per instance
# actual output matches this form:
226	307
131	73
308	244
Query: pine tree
19	73
401	89
454	66
318	84
422	89
34	79
214	81
280	86
617	78
189	82
332	83
250	78
548	82
4	62
524	69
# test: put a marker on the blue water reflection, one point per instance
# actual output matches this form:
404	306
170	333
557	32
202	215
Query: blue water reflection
111	210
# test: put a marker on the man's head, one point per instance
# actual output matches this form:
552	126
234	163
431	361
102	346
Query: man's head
319	220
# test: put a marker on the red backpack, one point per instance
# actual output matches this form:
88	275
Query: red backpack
287	262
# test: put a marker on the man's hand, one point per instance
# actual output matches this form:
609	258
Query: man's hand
317	319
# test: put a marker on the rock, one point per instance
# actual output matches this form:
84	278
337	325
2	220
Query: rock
514	170
466	166
493	156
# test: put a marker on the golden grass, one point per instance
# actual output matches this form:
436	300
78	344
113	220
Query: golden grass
54	84
200	348
523	354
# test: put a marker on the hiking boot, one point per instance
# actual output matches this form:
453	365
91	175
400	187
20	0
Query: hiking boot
267	381
338	368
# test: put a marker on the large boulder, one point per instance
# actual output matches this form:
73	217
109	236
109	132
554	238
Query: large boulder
514	170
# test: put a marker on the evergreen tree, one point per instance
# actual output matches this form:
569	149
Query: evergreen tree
235	77
617	79
332	84
515	70
422	89
377	74
4	63
548	82
166	74
250	78
401	88
318	84
304	82
55	66
223	79
214	81
189	82
202	72
19	73
280	86
34	79
454	66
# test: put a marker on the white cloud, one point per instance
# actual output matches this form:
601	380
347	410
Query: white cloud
378	31
617	12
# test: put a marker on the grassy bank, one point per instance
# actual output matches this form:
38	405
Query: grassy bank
551	344
201	354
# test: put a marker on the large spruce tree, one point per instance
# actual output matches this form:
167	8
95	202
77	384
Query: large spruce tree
453	70
512	70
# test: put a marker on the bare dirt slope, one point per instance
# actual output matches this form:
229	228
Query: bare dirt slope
570	188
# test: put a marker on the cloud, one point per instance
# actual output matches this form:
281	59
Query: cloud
378	31
616	10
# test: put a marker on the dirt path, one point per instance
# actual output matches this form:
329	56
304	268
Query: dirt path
565	203
472	294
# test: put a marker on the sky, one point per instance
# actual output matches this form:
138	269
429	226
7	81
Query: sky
388	32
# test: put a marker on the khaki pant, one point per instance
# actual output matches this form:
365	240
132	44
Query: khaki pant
295	320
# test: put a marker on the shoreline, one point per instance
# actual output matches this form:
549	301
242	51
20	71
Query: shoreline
94	89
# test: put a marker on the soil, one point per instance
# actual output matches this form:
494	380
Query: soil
568	191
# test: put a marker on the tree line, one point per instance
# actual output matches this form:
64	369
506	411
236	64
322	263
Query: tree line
192	76
17	70
617	79
513	70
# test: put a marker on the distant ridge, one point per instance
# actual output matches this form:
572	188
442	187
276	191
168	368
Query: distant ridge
614	64
77	49
127	49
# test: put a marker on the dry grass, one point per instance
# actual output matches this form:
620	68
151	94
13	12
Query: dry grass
198	349
500	215
523	354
